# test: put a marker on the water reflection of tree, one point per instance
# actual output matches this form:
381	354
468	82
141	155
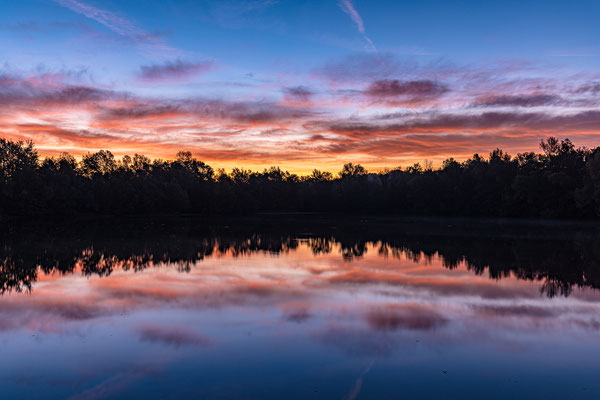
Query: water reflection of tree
560	258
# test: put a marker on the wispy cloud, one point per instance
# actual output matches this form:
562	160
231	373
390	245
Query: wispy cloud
526	100
234	14
297	95
406	93
348	8
110	20
119	25
177	70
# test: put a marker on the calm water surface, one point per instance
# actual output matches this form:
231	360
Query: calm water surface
300	308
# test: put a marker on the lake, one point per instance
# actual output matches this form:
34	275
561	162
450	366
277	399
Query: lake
299	306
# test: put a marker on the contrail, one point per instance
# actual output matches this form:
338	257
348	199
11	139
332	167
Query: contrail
348	8
118	25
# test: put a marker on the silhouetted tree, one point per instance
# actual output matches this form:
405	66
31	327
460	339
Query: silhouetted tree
352	171
16	157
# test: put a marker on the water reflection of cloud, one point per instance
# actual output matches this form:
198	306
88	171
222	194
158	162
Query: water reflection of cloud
519	311
200	291
108	387
411	316
592	324
402	309
359	382
357	341
374	294
442	286
296	312
171	336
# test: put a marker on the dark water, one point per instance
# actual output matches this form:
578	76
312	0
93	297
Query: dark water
299	307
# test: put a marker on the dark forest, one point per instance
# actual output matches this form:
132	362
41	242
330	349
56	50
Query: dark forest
561	181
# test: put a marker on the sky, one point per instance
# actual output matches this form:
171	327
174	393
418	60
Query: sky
299	84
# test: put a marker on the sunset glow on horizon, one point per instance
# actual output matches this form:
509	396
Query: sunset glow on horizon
300	85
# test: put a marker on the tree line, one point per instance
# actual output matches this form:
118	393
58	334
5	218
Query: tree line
561	181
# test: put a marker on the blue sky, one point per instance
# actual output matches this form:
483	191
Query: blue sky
313	63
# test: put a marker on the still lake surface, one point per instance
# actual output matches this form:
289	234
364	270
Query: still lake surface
299	307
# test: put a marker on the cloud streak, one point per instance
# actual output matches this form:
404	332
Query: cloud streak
348	7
